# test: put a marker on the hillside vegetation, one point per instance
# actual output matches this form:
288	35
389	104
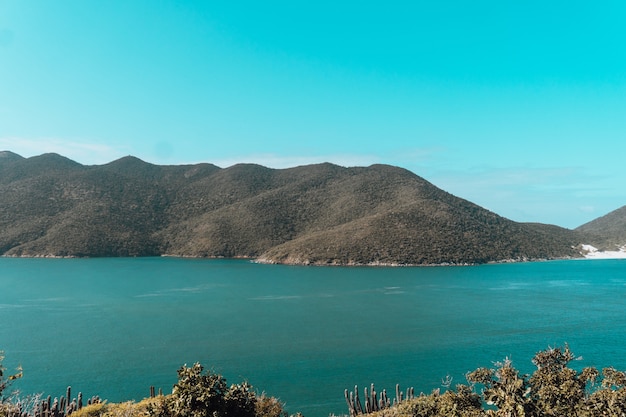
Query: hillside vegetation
316	214
607	232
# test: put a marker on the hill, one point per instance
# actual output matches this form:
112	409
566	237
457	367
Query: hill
315	214
9	156
607	232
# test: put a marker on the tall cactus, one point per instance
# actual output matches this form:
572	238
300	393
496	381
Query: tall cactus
398	395
410	393
384	400
350	401
55	408
68	397
60	407
357	400
372	401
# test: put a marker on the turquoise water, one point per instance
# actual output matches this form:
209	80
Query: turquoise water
113	327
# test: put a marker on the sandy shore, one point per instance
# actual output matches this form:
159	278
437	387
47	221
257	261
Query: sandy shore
594	253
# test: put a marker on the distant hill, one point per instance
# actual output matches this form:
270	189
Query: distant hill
6	156
315	214
607	232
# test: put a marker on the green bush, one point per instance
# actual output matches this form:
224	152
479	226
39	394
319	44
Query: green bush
7	408
269	407
5	380
198	394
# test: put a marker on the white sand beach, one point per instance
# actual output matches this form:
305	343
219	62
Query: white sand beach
592	252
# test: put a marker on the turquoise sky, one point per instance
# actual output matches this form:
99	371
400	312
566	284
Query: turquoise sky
519	107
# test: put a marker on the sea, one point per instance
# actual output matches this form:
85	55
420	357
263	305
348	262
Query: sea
113	327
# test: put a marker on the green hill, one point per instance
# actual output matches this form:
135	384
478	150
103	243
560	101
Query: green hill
319	214
607	232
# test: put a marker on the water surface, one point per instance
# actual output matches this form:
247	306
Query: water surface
113	327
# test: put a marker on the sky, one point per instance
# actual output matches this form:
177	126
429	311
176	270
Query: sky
518	106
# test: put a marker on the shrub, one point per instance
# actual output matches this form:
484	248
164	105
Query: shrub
610	399
462	402
269	407
5	381
556	389
92	410
198	394
240	401
505	389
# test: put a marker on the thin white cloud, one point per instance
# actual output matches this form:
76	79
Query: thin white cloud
282	161
567	196
403	158
539	179
90	153
81	152
587	209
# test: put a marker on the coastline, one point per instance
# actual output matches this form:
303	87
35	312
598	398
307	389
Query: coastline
588	252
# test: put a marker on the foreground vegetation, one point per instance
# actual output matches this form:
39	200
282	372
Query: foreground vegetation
553	390
196	394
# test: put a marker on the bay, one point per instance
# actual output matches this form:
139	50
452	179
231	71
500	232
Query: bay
114	327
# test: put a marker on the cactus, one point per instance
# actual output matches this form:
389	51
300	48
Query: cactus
372	401
354	402
410	393
68	395
350	403
60	407
55	408
93	400
384	400
398	395
357	400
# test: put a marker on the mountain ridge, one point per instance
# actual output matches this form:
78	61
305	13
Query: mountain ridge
321	214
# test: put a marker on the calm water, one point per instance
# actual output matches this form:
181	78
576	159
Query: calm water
114	327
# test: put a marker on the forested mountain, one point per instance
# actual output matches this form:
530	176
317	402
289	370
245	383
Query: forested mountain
320	214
